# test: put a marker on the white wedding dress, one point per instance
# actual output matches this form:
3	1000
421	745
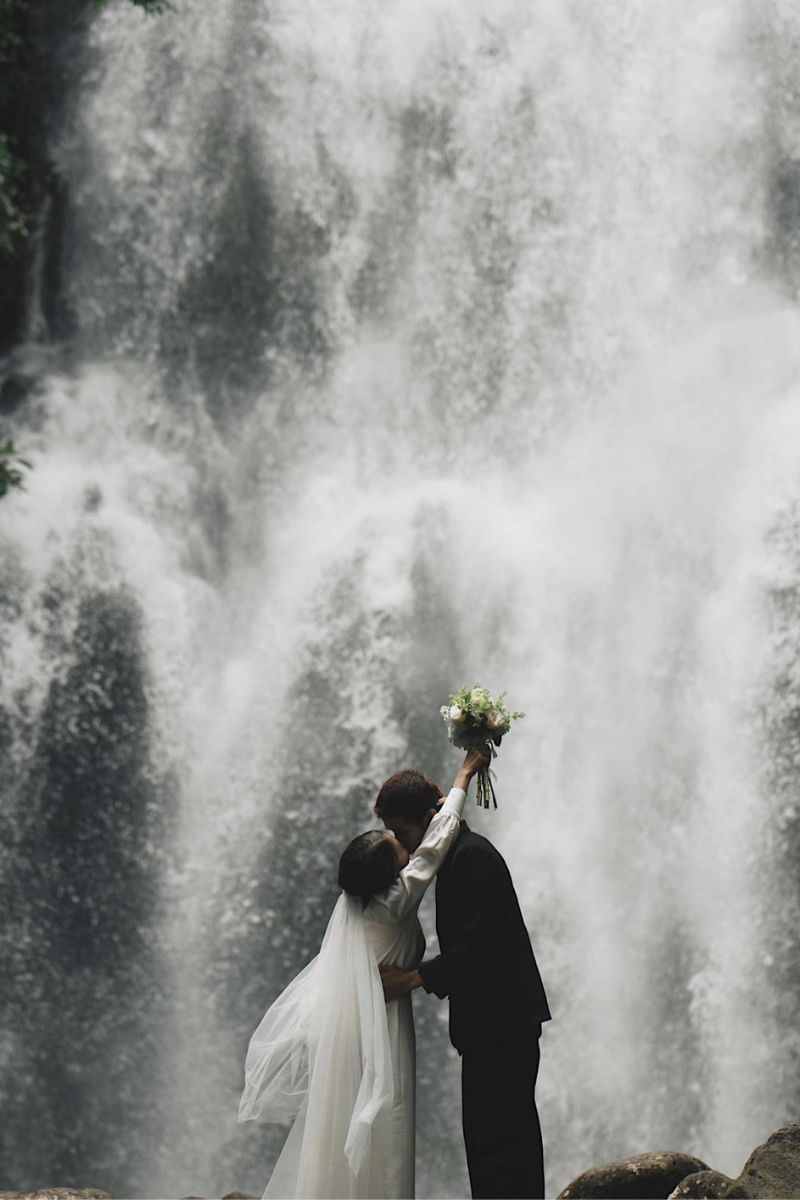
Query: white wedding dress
332	1054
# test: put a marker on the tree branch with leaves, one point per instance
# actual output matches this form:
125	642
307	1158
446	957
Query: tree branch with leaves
12	469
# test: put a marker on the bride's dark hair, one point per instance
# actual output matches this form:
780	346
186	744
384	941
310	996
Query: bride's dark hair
368	865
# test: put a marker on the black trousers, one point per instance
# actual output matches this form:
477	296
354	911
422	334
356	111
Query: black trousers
502	1134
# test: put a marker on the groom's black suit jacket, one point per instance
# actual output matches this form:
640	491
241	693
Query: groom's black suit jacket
486	966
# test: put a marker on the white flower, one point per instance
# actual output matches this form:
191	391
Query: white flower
444	713
454	713
477	695
495	719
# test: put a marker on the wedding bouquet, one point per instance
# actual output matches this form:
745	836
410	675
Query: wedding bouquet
477	720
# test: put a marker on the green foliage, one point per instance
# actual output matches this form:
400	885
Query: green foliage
13	219
151	6
11	473
18	189
10	37
26	93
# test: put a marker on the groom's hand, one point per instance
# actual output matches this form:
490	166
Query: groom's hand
398	983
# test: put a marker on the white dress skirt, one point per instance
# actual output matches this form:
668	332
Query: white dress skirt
330	1053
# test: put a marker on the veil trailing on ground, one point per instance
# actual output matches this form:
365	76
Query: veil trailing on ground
321	1053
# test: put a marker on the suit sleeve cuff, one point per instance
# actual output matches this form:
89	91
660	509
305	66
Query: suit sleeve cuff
433	977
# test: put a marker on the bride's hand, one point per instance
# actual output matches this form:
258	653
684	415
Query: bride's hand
474	760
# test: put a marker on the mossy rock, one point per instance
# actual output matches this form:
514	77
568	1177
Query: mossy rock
702	1185
58	1193
772	1172
642	1177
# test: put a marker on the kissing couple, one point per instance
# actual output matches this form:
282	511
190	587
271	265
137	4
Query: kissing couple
335	1053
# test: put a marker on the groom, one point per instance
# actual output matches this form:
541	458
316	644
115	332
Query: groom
497	1001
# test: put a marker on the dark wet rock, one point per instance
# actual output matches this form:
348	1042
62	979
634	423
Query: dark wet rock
239	1196
772	1172
642	1177
702	1185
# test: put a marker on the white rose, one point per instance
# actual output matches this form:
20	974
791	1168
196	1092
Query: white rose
495	719
477	694
454	713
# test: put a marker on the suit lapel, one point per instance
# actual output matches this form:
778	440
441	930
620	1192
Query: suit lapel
445	868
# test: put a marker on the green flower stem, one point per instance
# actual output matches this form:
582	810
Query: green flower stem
484	789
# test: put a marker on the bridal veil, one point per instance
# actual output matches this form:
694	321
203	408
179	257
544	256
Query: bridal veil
321	1054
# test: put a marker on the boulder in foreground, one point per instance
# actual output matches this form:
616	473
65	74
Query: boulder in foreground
58	1193
642	1177
703	1185
772	1172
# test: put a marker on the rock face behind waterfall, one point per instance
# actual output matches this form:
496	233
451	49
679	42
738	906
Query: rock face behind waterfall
772	1172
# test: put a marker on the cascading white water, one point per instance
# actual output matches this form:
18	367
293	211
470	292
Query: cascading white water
422	344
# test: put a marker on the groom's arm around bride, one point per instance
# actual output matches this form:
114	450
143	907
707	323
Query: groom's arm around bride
488	971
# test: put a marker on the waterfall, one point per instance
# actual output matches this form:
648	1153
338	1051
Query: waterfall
401	347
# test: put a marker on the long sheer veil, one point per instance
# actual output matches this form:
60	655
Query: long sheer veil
322	1052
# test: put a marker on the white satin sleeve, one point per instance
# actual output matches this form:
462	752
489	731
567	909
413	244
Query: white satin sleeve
415	878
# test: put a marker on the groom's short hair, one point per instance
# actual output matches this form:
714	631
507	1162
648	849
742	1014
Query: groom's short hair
407	794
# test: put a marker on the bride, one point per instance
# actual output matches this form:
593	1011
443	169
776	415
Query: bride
330	1052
